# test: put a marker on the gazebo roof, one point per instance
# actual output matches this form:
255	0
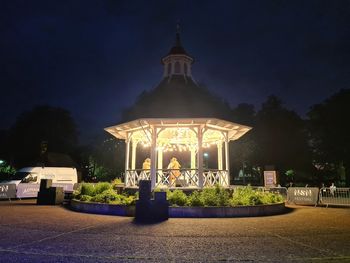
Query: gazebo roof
234	130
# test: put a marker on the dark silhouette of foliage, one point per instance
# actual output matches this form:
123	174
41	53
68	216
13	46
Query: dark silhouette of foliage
52	125
281	139
106	158
330	136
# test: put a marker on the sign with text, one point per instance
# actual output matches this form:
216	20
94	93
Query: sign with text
27	190
31	190
7	191
270	179
302	195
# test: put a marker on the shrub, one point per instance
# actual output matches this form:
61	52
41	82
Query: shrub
101	187
87	189
116	182
248	196
85	198
177	198
125	200
217	196
105	197
195	199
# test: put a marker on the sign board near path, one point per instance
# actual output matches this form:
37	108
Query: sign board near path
303	195
7	191
270	179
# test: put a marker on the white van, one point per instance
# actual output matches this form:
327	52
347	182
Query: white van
33	175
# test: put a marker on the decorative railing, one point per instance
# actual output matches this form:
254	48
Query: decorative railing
213	177
179	177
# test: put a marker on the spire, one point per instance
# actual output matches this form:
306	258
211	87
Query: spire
178	42
177	48
177	61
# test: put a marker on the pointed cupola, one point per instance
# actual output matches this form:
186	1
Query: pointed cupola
177	61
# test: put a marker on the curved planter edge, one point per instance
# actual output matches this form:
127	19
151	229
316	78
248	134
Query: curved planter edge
102	209
183	211
222	212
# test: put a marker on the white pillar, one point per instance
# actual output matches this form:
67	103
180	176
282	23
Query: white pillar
220	162
153	157
127	148
160	163
193	158
133	155
200	158
227	160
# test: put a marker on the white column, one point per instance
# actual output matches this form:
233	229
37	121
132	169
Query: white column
133	155
193	158
127	148
220	163
153	157
200	158
227	160
160	163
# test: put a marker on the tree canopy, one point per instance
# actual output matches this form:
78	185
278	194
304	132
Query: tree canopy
330	134
42	129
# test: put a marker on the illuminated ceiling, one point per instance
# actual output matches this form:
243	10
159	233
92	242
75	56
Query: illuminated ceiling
180	131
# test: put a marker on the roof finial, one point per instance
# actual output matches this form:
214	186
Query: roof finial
178	42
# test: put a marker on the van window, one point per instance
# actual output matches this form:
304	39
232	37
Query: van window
31	178
19	175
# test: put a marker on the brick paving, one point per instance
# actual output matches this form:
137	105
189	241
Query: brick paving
30	233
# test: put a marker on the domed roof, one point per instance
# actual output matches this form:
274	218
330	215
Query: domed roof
179	97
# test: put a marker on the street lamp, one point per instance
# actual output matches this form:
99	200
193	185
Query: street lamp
206	157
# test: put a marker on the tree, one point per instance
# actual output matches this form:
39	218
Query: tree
37	127
281	139
105	159
242	151
329	135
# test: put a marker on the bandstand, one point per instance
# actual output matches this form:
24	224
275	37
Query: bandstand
178	135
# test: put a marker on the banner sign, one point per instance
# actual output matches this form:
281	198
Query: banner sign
27	190
303	195
31	190
279	190
7	191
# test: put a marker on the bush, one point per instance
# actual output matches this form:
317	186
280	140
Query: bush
87	189
248	196
85	198
116	183
101	193
195	199
217	196
101	187
177	198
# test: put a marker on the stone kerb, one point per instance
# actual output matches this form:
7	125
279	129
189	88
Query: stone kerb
184	212
238	211
103	209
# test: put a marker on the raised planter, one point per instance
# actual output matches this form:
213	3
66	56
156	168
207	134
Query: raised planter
104	209
238	211
183	211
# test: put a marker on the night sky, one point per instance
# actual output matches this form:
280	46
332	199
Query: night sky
94	57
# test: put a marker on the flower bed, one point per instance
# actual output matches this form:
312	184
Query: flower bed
220	197
101	198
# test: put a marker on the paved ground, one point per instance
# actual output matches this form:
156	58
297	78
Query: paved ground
30	233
